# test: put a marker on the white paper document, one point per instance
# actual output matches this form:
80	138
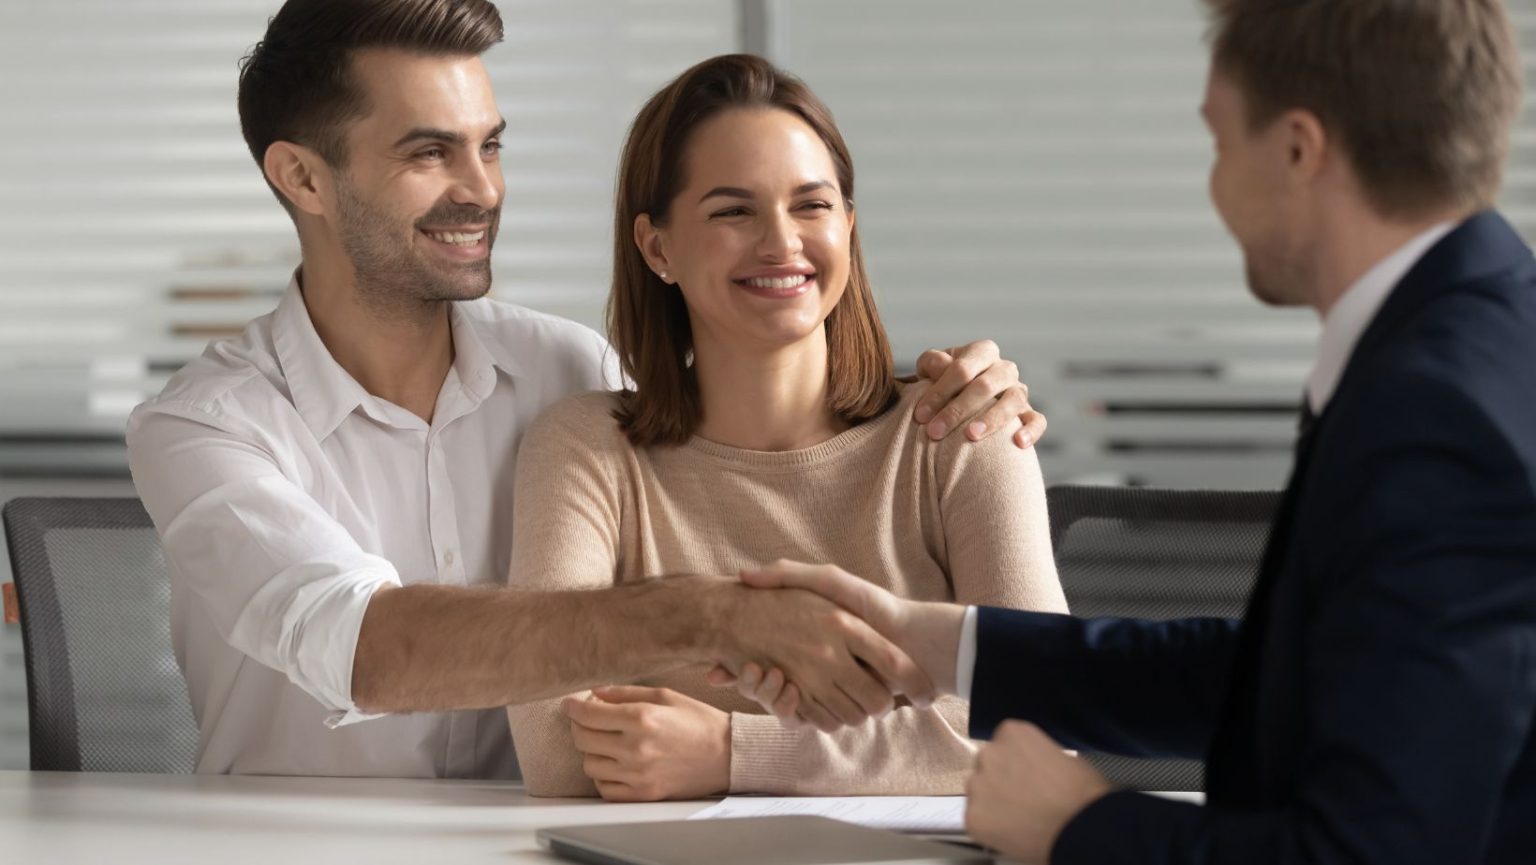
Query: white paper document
930	815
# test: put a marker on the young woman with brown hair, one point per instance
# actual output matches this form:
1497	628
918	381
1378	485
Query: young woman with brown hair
765	420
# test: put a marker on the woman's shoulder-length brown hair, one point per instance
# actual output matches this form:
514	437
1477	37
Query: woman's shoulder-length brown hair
647	319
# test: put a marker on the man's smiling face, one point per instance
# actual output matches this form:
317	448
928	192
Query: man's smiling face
418	201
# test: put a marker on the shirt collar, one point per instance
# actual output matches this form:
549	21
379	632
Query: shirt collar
324	393
1353	311
477	353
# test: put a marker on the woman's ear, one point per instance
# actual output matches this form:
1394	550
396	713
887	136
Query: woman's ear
299	173
651	241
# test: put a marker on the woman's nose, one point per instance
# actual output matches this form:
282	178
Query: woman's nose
781	238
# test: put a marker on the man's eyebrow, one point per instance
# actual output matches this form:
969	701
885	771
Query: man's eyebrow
738	192
427	133
458	139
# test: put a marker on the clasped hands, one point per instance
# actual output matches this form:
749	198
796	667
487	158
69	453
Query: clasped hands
645	743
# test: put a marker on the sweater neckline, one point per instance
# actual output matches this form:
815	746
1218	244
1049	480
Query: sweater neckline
834	447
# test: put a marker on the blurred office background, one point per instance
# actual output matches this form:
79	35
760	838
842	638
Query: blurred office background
1029	170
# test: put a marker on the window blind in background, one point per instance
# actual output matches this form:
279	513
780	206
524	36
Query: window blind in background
1029	170
1035	171
136	227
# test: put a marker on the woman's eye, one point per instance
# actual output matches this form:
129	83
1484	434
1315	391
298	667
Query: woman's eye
729	212
817	205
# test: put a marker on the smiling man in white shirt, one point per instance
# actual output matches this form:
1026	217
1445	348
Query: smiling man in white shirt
334	487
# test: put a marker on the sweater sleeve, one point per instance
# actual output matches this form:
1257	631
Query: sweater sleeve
565	535
996	530
991	501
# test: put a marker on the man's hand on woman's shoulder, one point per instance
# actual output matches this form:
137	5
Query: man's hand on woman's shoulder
974	387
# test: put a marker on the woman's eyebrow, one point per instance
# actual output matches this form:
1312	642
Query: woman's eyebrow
738	192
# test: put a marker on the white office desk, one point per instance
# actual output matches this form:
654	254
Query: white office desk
113	819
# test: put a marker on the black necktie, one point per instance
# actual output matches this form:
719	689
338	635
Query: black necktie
1307	419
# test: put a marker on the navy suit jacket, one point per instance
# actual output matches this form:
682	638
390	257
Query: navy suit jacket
1377	705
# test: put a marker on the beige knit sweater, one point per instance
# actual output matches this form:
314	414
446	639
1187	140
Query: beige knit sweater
951	520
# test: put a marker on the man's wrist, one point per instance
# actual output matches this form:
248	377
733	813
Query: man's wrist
965	656
935	643
690	617
705	617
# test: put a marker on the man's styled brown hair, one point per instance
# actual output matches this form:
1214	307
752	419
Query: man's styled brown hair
647	318
1422	93
296	84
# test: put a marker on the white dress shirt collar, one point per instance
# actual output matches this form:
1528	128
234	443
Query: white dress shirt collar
325	393
1347	320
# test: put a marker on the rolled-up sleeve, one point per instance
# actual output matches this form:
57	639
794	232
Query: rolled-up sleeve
280	579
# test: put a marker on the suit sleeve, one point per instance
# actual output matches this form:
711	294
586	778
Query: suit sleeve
1420	663
1118	686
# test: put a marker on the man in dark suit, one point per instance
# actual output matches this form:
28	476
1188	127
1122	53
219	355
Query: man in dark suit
1378	703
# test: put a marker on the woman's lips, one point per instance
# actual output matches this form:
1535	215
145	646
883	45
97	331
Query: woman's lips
779	287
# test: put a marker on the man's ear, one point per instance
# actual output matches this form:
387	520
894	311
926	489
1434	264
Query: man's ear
652	243
1307	144
299	173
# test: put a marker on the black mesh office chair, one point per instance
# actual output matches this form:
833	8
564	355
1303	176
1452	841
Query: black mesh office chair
1157	554
103	690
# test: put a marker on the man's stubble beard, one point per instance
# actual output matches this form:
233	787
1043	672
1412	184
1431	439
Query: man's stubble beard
394	279
1278	273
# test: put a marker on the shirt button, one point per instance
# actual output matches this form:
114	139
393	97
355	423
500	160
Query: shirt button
448	557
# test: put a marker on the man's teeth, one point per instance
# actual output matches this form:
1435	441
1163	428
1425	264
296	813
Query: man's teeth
780	284
457	238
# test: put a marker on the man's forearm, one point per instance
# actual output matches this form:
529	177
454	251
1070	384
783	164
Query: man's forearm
439	648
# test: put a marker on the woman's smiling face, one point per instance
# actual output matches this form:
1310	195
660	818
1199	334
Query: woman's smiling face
758	239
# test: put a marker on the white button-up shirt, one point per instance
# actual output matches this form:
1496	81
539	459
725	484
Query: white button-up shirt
285	494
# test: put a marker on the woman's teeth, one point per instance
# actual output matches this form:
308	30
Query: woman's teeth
782	283
457	238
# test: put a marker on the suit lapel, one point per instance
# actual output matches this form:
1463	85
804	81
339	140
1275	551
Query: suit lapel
1231	766
1481	246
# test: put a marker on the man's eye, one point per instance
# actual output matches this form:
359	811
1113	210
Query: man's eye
432	153
491	148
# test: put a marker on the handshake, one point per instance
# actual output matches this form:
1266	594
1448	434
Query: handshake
832	650
813	644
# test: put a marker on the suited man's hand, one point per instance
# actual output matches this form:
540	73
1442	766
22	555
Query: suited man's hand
929	633
1025	791
845	671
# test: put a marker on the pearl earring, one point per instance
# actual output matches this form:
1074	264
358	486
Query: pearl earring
663	276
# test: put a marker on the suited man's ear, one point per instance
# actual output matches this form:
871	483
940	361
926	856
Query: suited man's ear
1307	145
